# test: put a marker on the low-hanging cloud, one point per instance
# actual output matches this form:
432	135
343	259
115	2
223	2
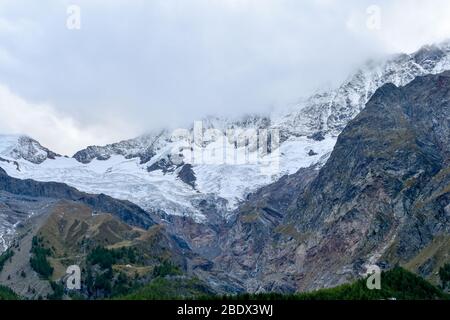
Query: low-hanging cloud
140	65
51	126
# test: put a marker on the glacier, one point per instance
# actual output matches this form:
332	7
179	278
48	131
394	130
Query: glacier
146	170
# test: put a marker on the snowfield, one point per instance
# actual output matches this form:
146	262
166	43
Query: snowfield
128	179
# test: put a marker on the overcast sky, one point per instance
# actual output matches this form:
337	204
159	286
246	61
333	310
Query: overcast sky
139	65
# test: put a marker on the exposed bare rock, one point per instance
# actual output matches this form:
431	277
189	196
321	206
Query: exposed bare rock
380	198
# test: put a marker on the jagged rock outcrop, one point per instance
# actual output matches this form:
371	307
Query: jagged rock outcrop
26	148
187	175
143	147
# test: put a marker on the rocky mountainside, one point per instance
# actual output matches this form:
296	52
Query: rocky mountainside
127	211
158	172
382	197
14	210
324	113
114	256
362	177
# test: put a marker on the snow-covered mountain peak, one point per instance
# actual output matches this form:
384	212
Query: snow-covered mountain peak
329	111
141	147
152	144
22	147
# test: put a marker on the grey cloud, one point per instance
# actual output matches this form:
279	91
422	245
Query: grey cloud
139	65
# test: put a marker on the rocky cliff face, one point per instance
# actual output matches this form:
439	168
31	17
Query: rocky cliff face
382	197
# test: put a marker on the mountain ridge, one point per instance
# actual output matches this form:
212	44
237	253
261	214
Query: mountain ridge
381	198
156	172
